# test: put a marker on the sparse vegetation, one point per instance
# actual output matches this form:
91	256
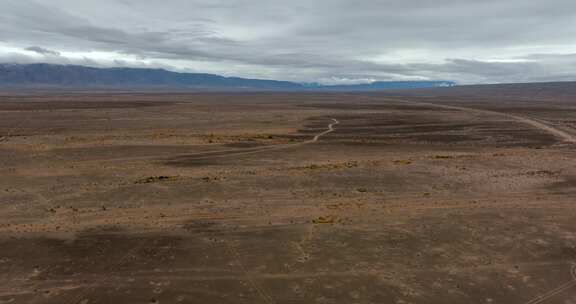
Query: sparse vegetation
403	162
443	157
366	214
328	219
343	165
156	179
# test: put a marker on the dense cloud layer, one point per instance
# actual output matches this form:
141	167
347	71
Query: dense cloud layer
332	41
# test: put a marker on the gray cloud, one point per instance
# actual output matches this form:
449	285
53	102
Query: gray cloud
42	51
322	40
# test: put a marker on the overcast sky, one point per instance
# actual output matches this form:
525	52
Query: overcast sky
329	41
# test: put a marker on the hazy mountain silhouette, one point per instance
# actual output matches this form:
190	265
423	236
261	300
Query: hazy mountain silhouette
49	75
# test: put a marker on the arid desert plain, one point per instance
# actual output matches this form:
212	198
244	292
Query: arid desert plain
429	196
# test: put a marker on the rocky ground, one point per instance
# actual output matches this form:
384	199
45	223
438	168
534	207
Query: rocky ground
227	198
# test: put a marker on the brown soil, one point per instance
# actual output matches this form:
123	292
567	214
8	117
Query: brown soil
226	198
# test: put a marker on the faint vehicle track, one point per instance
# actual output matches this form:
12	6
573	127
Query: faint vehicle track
232	152
543	297
264	294
561	134
276	147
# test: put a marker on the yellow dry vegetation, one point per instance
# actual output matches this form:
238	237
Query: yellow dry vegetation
328	219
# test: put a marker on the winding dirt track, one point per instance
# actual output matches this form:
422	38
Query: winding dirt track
267	148
231	152
560	134
330	129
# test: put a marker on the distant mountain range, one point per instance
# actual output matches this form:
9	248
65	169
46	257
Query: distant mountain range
74	76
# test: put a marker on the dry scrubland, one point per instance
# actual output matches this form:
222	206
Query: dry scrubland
442	196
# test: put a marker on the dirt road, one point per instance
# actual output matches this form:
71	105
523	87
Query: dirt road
560	134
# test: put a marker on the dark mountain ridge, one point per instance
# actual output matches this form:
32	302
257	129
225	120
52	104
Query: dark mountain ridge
74	76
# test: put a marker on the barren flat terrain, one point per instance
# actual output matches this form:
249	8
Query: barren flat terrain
432	197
